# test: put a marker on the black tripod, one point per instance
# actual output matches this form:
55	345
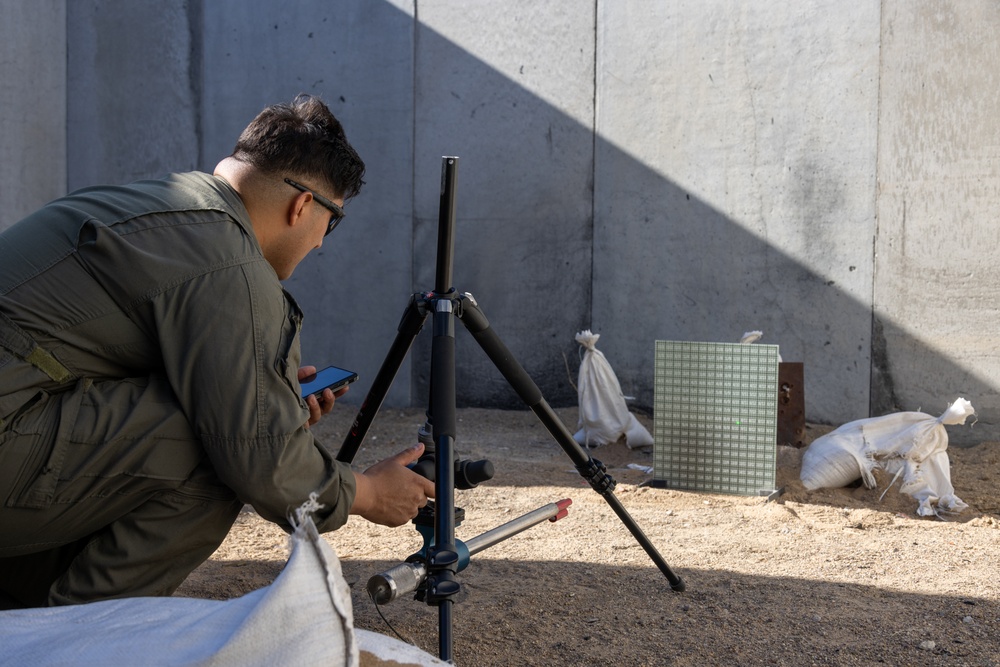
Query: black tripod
442	557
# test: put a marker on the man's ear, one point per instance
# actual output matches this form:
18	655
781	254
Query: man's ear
296	209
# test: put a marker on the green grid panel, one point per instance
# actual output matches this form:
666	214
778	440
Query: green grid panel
715	417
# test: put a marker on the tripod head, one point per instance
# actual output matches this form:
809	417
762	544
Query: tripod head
468	474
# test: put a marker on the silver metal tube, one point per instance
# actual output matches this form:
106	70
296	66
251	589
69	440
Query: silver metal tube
513	527
407	577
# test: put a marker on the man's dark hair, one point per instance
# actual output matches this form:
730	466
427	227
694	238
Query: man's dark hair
302	138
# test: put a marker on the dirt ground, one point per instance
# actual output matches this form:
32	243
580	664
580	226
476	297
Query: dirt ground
832	577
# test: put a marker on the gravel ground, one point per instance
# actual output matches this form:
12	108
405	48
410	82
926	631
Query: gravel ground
832	577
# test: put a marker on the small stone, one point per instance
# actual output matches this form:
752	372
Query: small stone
968	619
927	645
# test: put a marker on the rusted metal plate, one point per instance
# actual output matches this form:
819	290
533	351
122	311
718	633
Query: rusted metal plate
791	404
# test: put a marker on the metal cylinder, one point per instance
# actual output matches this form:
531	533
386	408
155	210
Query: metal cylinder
400	580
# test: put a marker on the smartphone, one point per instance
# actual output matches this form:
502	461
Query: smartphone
331	377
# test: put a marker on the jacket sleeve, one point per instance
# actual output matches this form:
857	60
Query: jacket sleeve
230	343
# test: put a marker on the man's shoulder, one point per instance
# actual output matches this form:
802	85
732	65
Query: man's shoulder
183	192
169	230
166	206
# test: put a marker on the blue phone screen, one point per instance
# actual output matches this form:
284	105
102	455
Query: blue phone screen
332	377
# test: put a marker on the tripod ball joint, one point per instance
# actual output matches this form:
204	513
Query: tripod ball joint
468	474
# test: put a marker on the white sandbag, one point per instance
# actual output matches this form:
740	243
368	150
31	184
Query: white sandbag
604	416
303	618
750	337
909	445
837	459
379	649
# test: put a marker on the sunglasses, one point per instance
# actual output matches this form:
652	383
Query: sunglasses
337	213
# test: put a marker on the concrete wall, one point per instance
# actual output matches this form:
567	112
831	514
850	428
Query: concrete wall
687	170
735	176
32	106
509	89
359	57
938	282
131	90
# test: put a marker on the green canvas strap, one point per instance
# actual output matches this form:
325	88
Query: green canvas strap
19	343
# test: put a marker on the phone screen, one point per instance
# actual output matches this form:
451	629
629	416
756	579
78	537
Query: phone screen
331	377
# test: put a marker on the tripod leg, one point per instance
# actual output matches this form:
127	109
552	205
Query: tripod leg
409	326
594	472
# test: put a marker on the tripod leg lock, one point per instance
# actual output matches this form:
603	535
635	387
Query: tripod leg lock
442	564
596	474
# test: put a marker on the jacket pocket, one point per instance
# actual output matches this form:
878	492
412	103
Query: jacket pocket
39	438
288	356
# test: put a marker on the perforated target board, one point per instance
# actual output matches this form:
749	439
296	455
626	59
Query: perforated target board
715	417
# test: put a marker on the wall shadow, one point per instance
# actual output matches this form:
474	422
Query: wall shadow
531	245
540	278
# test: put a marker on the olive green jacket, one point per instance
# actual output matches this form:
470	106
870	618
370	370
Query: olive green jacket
166	277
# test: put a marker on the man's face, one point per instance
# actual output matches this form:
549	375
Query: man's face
311	225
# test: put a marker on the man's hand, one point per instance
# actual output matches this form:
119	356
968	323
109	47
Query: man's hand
322	405
389	493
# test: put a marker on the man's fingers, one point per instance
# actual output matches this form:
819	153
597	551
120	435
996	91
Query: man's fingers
315	412
327	399
410	454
